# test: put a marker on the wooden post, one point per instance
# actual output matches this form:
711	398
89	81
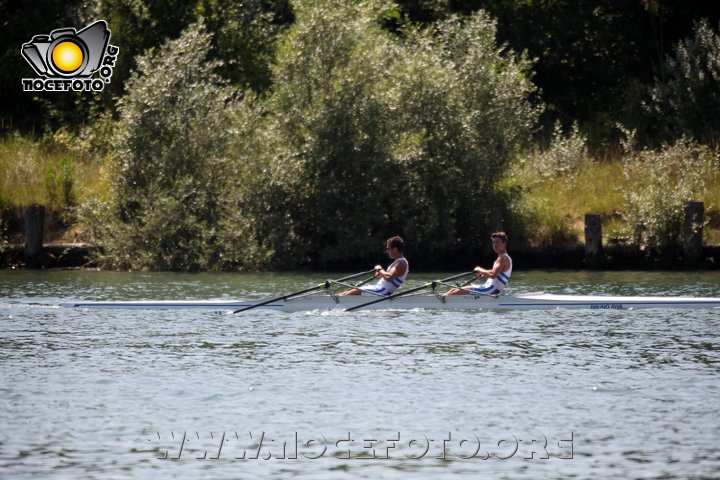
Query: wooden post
593	239
693	230
34	223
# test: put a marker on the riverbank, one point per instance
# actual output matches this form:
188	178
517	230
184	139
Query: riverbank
59	255
555	190
571	257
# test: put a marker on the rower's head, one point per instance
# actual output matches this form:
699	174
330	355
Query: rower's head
395	247
499	242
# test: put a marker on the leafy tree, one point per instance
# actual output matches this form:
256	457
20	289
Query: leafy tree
687	100
243	40
594	58
372	134
330	138
173	206
461	105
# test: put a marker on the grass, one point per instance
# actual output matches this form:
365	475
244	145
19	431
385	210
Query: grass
594	186
55	172
50	171
711	197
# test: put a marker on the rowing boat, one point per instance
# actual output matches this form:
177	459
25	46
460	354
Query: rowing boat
527	301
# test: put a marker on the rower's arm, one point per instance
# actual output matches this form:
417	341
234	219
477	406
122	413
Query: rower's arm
397	270
500	265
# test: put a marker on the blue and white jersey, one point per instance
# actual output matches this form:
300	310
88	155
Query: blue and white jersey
494	286
384	287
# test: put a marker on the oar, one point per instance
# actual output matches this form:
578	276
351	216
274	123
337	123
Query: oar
365	281
390	297
351	286
462	286
325	284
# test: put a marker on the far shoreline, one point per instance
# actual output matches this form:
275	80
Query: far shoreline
569	257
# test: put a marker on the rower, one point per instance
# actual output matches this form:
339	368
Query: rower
497	276
390	279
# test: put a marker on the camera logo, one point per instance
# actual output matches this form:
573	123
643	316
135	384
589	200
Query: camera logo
67	59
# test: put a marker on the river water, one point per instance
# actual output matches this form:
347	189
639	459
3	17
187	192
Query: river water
378	394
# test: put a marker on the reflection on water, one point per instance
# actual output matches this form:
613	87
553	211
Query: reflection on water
131	394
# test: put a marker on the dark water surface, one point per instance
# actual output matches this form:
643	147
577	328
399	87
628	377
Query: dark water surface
380	394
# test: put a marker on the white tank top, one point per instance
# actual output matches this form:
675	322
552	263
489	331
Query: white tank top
501	280
397	282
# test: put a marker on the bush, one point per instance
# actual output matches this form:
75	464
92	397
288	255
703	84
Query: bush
461	103
663	181
564	157
328	139
538	183
685	102
173	205
371	134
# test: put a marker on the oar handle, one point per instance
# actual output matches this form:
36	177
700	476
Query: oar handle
390	297
365	281
350	277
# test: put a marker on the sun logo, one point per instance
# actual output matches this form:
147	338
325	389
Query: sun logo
67	56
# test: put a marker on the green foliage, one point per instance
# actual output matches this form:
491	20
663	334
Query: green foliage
372	135
244	34
664	181
640	193
537	216
174	206
595	58
360	120
564	157
244	37
60	182
463	101
329	134
45	171
686	101
543	224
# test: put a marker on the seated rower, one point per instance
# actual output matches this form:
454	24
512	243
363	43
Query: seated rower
497	277
390	279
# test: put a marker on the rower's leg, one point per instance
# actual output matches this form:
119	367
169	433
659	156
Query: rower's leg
455	291
354	291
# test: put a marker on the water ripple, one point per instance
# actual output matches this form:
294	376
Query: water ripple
102	394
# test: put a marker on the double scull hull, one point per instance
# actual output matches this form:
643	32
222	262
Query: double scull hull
530	301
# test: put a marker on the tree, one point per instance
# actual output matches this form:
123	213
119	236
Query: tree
174	206
373	134
594	58
687	100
